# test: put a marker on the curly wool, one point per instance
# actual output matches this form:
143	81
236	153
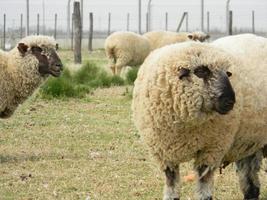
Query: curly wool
126	49
168	115
19	75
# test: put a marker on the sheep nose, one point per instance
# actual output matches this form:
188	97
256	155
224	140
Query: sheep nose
227	103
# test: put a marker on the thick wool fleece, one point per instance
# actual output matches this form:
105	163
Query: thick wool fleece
126	49
158	39
19	75
168	112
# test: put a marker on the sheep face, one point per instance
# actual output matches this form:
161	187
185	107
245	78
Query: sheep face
213	87
198	36
48	60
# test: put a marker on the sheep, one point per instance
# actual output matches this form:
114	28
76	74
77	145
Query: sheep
186	106
158	39
24	68
125	49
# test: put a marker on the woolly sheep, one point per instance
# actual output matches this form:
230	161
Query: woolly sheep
158	39
125	49
185	107
24	68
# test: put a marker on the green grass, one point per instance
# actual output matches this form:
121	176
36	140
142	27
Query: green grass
131	75
79	83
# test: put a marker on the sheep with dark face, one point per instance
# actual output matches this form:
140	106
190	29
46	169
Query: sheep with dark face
24	68
186	107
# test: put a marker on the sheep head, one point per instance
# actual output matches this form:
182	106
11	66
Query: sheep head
198	36
216	86
48	60
200	83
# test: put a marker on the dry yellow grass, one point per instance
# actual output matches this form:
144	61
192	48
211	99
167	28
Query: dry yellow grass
85	147
80	148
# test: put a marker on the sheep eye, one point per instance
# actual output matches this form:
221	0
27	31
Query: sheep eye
229	74
183	73
202	72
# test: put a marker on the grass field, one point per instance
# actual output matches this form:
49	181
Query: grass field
86	148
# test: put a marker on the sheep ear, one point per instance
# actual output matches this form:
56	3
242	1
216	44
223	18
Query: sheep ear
22	48
190	36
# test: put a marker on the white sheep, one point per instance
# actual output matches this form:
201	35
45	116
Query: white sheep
186	108
158	39
24	68
125	49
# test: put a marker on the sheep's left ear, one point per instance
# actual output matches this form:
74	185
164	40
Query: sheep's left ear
190	36
57	46
22	48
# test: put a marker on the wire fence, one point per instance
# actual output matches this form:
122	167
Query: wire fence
125	17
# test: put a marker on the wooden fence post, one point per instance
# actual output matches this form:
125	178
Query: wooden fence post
186	22
4	33
181	22
91	29
21	26
72	17
166	21
128	22
139	17
147	22
55	28
253	21
38	24
109	21
77	29
28	18
230	28
208	22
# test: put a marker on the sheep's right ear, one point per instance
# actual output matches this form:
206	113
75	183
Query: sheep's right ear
22	48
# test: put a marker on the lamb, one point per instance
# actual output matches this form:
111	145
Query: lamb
24	68
158	39
186	106
125	49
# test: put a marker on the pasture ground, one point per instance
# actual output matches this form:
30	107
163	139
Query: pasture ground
86	148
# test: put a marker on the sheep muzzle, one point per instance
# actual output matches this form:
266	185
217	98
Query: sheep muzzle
226	100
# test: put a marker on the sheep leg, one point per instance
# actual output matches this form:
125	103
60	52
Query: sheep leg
247	170
205	182
118	68
172	179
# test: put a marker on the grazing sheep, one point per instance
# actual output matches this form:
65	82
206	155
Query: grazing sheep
158	39
24	68
185	107
125	49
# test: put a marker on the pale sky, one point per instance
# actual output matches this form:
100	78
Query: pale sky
119	8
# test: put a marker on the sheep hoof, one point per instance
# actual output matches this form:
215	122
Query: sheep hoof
171	198
208	198
252	199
